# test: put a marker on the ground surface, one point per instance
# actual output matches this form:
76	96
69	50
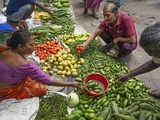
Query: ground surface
143	12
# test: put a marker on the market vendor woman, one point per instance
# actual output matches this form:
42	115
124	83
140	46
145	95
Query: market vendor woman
150	42
20	78
22	9
118	28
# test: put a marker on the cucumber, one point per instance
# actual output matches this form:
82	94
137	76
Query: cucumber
124	117
105	112
147	106
114	107
134	109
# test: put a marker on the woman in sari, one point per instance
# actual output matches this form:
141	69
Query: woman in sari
94	5
19	78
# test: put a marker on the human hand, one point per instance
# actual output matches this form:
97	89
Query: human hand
22	25
123	78
116	40
77	85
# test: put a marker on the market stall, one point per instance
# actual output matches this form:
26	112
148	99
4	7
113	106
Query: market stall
56	39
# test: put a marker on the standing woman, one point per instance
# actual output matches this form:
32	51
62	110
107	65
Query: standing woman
94	5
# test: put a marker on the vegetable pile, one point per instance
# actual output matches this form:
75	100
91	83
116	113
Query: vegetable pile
62	63
122	94
122	101
94	86
52	107
45	49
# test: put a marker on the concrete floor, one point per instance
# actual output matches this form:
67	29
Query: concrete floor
143	13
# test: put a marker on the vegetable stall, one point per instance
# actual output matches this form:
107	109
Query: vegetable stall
55	45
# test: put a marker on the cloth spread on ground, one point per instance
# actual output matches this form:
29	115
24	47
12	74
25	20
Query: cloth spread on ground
25	89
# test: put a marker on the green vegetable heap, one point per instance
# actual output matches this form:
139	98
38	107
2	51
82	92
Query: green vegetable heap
119	94
94	86
52	107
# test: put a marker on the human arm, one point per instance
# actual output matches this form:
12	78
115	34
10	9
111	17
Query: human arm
131	39
43	8
35	73
92	37
146	67
58	83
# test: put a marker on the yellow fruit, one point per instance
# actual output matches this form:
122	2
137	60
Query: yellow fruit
59	72
50	60
71	66
73	70
45	63
81	60
73	61
64	56
74	73
60	67
60	59
78	66
54	70
54	59
75	66
65	63
67	68
44	70
42	61
51	72
55	63
68	73
63	72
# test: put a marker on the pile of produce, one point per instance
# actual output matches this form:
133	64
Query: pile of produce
94	86
60	24
122	101
46	49
45	18
52	107
123	94
72	38
141	109
61	3
62	63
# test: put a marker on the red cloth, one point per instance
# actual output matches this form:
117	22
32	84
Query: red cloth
124	27
25	89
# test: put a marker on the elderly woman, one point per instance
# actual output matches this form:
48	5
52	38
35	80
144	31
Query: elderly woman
150	42
116	29
20	78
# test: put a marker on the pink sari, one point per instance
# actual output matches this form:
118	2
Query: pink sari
93	4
